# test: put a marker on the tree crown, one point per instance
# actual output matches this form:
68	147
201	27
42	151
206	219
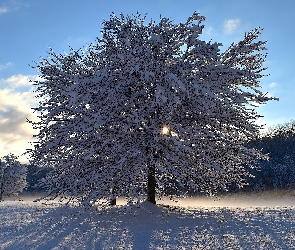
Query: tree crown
104	110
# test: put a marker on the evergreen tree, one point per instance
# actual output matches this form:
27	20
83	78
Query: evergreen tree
148	108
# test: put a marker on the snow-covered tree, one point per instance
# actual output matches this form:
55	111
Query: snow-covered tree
148	108
12	176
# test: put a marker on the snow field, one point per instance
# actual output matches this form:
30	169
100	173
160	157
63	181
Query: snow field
29	225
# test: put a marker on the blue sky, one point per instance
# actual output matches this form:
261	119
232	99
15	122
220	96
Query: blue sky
29	28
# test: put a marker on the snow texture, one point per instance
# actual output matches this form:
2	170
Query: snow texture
28	225
102	111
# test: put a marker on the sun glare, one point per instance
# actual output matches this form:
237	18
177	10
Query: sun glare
165	130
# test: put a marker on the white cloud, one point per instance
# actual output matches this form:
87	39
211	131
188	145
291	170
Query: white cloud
231	25
15	132
270	89
15	108
272	85
12	98
3	10
19	80
12	5
209	30
6	65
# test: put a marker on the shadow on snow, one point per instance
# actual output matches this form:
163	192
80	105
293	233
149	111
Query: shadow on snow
55	226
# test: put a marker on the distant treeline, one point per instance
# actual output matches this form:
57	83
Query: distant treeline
275	174
279	171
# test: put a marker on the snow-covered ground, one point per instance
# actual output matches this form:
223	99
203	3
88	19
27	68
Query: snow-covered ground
250	222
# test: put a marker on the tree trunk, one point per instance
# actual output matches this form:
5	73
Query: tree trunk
1	181
113	202
151	185
1	188
1	193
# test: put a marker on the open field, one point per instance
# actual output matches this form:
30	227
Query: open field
33	225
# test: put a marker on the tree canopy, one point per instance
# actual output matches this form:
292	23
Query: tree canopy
148	107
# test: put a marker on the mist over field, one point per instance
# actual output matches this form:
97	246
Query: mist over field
278	198
240	200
